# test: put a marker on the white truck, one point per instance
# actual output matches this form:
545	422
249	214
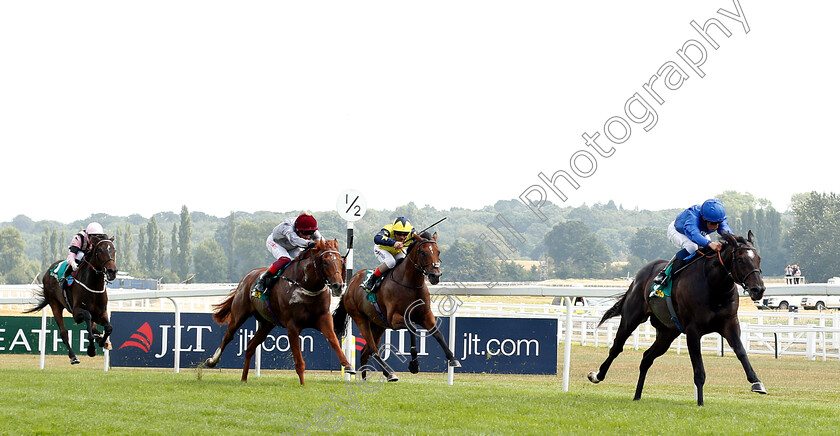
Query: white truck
781	302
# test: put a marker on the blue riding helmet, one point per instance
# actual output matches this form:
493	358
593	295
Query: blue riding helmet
713	211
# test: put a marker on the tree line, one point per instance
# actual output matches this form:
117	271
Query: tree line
597	241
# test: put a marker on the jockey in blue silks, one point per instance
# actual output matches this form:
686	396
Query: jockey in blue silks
689	232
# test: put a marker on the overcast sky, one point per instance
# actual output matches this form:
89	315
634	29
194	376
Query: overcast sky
142	107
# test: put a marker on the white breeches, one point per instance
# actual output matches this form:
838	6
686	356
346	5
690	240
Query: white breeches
279	251
387	258
681	240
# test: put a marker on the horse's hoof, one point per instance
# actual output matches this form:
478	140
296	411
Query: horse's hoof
107	345
455	363
91	351
209	363
414	367
758	387
74	360
349	370
393	378
593	377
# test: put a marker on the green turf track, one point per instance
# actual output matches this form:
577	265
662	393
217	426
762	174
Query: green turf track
804	398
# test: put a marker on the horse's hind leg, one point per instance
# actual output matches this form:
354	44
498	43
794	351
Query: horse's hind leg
625	329
367	329
664	338
732	333
256	341
58	314
232	328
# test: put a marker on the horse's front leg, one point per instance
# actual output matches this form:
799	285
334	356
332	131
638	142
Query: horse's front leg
92	332
429	323
325	325
413	365
107	329
732	334
58	314
694	350
294	343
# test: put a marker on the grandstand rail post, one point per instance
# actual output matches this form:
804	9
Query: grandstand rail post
42	339
177	355
258	358
567	345
450	376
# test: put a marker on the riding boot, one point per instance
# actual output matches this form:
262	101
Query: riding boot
660	278
265	282
370	282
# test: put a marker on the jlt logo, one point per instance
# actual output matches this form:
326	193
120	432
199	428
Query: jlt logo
141	339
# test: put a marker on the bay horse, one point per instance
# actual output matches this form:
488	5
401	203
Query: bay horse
87	299
403	298
296	302
705	300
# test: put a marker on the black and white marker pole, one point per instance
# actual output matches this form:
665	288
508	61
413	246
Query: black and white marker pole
352	207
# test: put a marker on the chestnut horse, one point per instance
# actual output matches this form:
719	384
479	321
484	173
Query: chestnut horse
87	299
705	300
403	299
296	302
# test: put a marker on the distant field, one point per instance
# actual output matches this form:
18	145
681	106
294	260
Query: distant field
804	398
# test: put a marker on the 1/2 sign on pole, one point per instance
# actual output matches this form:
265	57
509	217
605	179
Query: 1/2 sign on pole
350	205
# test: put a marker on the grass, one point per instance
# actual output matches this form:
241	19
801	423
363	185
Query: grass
804	398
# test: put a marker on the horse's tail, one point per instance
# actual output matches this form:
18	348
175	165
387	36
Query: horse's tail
41	304
340	318
221	311
616	309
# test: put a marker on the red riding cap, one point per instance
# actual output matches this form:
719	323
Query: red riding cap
306	223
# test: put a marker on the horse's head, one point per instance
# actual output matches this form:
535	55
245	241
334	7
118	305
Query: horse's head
744	263
103	256
425	256
330	264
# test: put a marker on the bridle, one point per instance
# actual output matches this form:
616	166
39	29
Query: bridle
318	260
96	270
422	268
93	252
743	281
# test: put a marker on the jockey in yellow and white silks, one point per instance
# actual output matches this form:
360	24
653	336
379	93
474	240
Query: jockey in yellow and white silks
388	247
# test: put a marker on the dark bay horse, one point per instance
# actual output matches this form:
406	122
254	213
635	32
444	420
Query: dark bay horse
403	298
705	300
296	302
87	299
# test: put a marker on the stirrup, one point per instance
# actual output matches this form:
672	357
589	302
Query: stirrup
660	278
